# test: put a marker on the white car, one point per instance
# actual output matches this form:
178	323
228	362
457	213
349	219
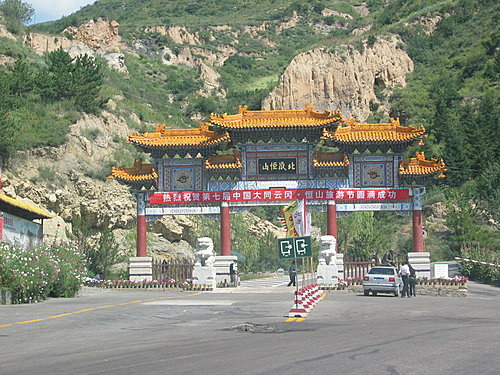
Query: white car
382	279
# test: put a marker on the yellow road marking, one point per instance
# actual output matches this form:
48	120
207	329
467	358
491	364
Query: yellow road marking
300	319
103	307
98	307
80	311
290	320
58	316
29	321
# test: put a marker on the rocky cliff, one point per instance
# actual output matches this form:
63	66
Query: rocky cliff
345	80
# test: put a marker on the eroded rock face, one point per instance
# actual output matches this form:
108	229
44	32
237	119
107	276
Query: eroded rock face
101	35
58	178
5	33
41	43
178	34
344	81
174	227
116	61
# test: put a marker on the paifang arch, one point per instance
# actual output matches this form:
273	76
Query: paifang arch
255	158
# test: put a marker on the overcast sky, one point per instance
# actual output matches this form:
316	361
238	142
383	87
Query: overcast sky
50	10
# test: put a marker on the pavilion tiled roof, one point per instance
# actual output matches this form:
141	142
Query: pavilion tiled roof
22	209
418	166
165	138
246	120
219	162
392	132
323	159
139	174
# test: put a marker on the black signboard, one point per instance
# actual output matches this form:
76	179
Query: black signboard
278	166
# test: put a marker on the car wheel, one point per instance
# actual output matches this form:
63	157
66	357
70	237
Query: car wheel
374	293
366	292
396	292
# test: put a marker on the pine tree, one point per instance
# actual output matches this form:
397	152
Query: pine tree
87	81
56	81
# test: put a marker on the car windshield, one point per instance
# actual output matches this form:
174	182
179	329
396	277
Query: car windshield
382	271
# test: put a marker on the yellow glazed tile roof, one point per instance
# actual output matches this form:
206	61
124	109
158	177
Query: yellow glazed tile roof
419	166
384	132
139	172
34	211
224	161
330	159
179	137
246	119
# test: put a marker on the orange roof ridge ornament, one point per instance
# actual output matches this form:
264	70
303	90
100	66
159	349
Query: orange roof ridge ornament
163	137
330	159
139	174
420	166
350	131
224	161
247	119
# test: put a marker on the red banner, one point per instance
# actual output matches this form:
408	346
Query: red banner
279	195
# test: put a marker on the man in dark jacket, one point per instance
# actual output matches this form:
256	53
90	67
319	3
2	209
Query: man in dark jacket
412	281
292	272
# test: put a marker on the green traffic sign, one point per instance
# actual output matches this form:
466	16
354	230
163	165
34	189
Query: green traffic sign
295	247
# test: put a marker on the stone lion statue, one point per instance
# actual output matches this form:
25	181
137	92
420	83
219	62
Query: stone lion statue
204	252
327	249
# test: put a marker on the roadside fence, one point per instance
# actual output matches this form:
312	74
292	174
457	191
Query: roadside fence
163	270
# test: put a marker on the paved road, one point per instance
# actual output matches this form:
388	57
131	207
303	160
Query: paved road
116	332
275	282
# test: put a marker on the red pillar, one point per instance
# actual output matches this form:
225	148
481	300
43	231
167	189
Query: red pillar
418	231
225	229
141	250
331	219
331	212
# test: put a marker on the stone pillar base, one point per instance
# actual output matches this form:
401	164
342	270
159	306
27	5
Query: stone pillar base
339	262
204	275
327	274
421	261
221	265
140	268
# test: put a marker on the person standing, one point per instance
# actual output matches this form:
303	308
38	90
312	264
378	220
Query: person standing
405	273
232	273
292	272
412	282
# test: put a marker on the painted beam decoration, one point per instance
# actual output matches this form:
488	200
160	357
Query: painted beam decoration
279	195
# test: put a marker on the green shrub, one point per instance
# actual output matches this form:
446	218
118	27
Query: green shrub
477	271
38	272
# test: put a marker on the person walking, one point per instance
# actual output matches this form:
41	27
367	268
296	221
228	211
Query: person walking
412	282
405	273
292	272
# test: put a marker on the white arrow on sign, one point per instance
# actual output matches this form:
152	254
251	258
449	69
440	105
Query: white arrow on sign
301	247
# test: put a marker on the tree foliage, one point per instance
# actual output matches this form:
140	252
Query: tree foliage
79	80
16	13
37	103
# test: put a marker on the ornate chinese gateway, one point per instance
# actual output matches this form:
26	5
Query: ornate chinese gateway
255	158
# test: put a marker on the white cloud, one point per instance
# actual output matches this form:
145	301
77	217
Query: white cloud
49	10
